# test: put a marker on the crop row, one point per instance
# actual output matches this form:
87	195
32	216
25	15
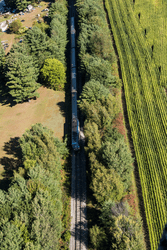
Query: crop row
146	113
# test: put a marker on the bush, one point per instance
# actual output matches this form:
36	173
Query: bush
15	26
53	74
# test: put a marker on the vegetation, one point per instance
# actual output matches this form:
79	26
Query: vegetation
30	57
20	5
110	162
34	218
15	26
53	74
146	112
31	208
21	77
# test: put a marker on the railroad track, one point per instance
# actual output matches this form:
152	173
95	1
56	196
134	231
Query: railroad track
78	202
79	230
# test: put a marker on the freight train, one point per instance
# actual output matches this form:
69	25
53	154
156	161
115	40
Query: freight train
75	121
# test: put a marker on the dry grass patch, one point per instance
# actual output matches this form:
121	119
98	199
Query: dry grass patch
48	109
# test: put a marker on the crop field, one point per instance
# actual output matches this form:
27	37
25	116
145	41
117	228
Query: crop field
143	75
152	17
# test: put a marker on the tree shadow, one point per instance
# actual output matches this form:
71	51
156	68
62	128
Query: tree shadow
12	163
62	107
5	97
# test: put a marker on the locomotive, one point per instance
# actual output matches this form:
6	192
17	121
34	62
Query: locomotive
75	121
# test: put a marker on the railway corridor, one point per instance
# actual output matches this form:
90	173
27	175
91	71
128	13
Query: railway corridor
78	202
79	231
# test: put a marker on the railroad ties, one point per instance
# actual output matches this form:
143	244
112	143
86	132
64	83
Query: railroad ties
79	230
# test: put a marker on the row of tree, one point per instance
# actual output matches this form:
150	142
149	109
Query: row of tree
31	209
110	161
40	58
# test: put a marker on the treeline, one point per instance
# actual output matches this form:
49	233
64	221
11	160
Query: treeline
39	59
31	209
110	162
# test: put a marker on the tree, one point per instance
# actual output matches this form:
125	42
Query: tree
31	209
124	232
98	237
2	54
100	70
117	156
101	112
21	5
39	145
2	64
58	33
106	183
93	91
21	77
53	74
15	26
58	8
38	43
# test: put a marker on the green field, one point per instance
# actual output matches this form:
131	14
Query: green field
145	97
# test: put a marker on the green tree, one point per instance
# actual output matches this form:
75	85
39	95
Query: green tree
42	26
58	8
2	54
117	156
15	26
106	183
53	74
124	232
58	33
2	66
21	77
101	112
39	45
98	238
31	209
39	145
93	91
21	5
100	70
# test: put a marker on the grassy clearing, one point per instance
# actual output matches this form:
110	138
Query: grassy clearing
29	19
48	109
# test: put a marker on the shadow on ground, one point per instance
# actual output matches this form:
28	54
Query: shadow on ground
11	163
5	98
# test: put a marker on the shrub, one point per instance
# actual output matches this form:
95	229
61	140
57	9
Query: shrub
53	74
15	26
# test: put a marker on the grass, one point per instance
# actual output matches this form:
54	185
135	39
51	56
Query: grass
29	19
48	109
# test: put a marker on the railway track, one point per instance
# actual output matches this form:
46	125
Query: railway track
78	202
79	230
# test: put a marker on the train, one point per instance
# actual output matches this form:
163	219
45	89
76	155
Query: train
75	121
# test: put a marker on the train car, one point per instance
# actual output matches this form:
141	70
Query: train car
73	59
72	33
75	121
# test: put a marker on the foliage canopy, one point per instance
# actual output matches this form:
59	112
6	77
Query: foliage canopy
53	74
